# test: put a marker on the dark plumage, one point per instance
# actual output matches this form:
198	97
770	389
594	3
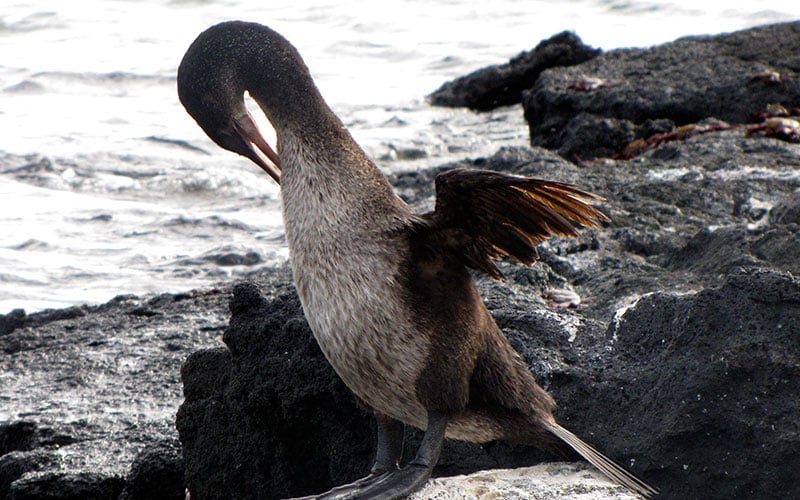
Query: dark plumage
386	291
483	216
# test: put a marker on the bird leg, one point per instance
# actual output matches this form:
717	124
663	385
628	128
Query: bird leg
390	445
385	479
410	478
387	460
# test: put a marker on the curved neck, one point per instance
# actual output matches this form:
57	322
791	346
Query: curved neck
313	144
295	104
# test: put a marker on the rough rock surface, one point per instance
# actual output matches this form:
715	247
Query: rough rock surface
89	395
726	77
551	481
66	486
502	85
157	473
587	104
681	361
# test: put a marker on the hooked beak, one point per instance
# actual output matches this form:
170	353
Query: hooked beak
248	130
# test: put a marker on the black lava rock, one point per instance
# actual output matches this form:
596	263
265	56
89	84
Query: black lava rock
248	429
502	85
708	381
728	77
11	321
156	474
95	390
67	486
13	465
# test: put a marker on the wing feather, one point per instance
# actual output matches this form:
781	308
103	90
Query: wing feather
483	216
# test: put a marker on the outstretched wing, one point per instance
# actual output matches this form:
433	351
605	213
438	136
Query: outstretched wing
482	216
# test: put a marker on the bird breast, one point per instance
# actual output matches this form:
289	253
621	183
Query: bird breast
347	270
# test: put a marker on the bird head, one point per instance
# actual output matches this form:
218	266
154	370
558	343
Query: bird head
212	81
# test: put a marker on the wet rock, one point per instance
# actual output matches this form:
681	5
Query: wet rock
234	259
23	435
206	373
592	135
685	82
11	321
85	390
712	381
156	474
66	486
502	85
787	210
14	464
20	435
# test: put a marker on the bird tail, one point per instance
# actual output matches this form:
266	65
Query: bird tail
613	470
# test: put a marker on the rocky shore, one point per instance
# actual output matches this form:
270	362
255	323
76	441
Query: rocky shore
682	359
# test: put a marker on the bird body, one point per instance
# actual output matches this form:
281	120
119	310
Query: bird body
376	305
347	245
387	291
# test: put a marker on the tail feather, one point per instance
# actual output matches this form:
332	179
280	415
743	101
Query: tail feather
613	470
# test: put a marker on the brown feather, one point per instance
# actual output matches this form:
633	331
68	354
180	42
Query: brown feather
482	216
610	468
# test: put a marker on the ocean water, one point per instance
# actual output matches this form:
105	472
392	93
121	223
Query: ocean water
107	187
